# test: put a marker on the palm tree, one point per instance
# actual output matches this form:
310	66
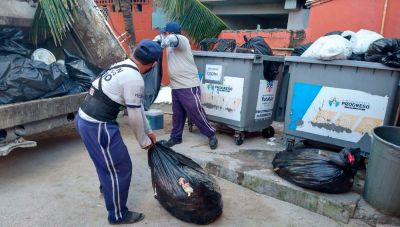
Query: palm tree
97	40
195	19
58	17
55	16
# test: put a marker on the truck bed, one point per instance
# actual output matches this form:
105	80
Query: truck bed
36	110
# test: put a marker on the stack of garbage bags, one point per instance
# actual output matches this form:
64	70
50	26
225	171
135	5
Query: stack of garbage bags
24	79
255	45
317	169
182	187
363	45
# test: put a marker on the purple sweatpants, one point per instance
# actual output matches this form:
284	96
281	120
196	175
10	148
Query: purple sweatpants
186	103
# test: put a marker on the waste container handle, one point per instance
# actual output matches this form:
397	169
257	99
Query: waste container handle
258	59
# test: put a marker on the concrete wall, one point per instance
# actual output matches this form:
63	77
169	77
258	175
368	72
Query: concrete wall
235	22
298	19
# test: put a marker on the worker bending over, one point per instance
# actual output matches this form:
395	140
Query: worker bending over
119	87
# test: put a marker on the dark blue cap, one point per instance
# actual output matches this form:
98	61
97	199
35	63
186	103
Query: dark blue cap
147	51
172	27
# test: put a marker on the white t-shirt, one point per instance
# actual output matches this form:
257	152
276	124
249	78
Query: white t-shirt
182	70
125	86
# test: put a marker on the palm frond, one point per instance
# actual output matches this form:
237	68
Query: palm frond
195	19
54	16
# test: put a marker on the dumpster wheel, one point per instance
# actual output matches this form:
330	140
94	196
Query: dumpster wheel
268	132
239	138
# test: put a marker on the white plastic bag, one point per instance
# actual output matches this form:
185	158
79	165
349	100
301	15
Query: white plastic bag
333	47
362	40
348	34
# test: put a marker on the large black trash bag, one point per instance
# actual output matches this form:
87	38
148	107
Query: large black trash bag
257	44
152	84
271	70
23	79
80	71
11	42
319	170
385	51
168	170
299	50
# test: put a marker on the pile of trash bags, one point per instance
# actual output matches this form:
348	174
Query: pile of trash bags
23	79
218	45
363	45
319	170
182	187
255	45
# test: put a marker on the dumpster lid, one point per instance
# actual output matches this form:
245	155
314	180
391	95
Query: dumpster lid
351	63
237	55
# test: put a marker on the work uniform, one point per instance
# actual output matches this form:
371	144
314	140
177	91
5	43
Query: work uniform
119	87
185	85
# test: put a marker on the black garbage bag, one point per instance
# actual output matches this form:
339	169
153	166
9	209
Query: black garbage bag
257	44
182	187
218	45
11	42
152	84
299	50
80	70
23	79
333	33
271	70
319	170
357	57
385	51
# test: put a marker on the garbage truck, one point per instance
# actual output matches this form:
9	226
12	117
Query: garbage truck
89	32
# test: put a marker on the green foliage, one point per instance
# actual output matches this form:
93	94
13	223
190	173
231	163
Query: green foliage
196	20
54	16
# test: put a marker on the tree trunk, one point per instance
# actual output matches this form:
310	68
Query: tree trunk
97	38
127	8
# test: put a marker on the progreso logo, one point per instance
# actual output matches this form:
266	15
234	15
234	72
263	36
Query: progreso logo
334	102
219	88
356	105
348	104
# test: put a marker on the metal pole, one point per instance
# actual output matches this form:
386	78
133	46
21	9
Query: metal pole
384	16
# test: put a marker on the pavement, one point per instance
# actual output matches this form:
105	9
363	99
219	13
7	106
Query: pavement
55	184
249	165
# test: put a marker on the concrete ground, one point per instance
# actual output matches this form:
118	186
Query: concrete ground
55	184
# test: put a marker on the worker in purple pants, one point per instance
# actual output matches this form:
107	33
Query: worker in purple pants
185	85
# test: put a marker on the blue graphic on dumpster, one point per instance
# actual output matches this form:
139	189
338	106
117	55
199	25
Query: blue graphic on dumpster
303	97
